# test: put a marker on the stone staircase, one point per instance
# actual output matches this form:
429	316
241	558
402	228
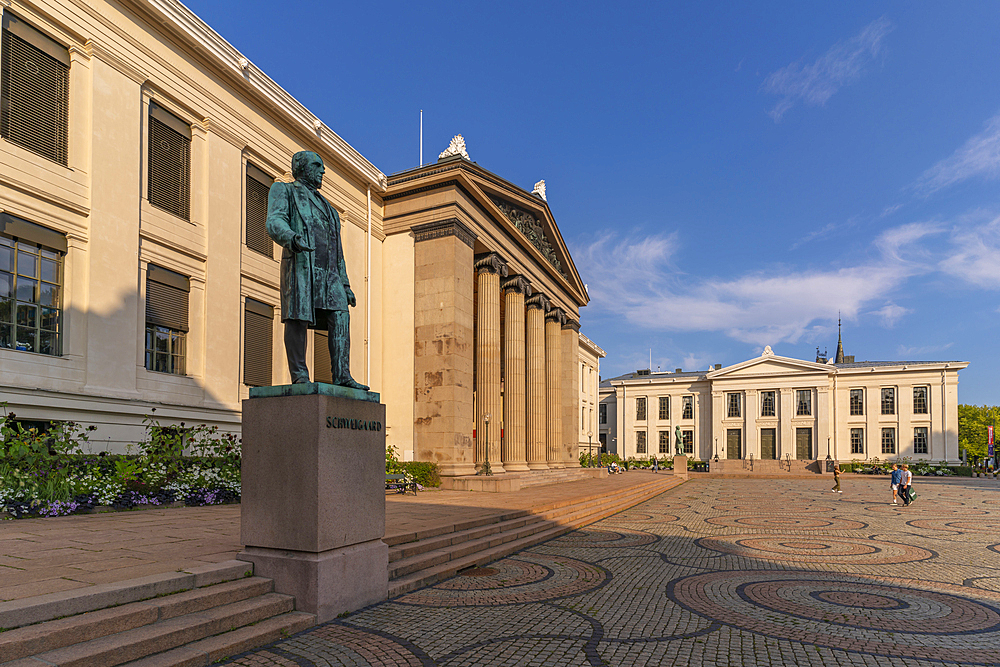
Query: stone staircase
420	559
184	619
766	468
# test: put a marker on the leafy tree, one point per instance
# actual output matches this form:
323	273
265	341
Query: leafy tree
972	423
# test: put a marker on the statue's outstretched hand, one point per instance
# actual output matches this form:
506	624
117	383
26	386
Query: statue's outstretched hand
299	244
351	299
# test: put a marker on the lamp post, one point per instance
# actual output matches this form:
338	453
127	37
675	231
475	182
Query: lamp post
590	449
486	470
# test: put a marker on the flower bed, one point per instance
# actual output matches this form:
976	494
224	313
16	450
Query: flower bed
44	474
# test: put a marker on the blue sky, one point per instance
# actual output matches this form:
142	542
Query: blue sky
727	177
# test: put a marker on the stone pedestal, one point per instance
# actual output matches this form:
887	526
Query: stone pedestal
313	501
681	466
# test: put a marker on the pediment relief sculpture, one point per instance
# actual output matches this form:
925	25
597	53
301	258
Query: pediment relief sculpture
529	225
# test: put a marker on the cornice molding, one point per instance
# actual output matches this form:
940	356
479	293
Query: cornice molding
206	41
441	228
224	133
96	50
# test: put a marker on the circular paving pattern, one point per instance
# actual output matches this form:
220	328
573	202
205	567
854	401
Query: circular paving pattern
991	525
772	508
591	537
815	549
526	578
786	522
929	508
853	613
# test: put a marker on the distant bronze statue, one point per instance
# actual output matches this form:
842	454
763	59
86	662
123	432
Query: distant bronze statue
315	291
678	440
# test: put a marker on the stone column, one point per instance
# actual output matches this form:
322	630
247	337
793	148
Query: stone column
515	442
536	306
571	392
489	269
786	433
553	389
443	346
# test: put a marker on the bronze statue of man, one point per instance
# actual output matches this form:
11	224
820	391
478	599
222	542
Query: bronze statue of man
315	291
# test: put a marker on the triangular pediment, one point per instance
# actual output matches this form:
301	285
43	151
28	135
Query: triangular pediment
771	365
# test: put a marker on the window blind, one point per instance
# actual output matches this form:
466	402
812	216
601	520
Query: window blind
258	323
167	298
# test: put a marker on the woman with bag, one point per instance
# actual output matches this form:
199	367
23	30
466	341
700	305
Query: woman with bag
906	487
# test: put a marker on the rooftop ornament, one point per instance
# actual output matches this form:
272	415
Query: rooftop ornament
456	147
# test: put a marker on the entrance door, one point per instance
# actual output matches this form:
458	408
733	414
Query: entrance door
734	450
803	443
768	443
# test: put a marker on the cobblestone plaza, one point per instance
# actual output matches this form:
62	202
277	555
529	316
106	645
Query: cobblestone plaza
713	572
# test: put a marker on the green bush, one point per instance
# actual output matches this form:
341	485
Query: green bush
963	471
424	473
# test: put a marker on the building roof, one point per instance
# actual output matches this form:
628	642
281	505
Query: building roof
869	364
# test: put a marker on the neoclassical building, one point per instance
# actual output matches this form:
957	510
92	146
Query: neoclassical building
136	276
774	407
486	344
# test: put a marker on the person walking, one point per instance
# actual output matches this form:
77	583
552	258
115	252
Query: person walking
897	477
904	486
656	466
836	478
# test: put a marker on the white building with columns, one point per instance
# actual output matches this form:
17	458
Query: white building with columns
774	407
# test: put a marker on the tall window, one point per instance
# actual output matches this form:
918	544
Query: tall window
664	407
767	404
169	163
258	325
664	442
687	438
888	400
920	400
888	440
857	402
166	320
687	407
30	286
603	414
733	405
857	441
258	185
640	408
803	403
34	90
920	440
640	442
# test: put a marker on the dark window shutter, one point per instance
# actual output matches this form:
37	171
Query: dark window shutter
169	154
258	321
322	369
258	185
34	93
166	298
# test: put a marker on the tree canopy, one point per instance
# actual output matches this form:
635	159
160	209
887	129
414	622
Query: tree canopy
972	423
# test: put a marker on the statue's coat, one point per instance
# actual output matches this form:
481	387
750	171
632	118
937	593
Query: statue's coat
310	281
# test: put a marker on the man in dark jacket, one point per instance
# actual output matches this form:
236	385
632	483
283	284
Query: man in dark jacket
315	291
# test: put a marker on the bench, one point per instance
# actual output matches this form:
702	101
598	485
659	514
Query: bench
399	483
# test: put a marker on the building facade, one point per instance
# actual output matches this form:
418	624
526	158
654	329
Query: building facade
137	279
590	378
774	407
488	300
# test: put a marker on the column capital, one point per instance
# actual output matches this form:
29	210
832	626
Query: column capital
570	323
491	263
539	300
556	315
517	283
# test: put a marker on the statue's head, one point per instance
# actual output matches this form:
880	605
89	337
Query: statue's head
308	168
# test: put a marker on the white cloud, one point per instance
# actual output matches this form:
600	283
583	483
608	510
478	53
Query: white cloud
636	278
980	156
890	314
974	255
904	351
816	83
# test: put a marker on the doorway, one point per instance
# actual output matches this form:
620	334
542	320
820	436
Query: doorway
734	443
803	443
768	443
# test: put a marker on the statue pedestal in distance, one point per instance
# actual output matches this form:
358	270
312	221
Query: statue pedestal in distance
313	501
681	466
